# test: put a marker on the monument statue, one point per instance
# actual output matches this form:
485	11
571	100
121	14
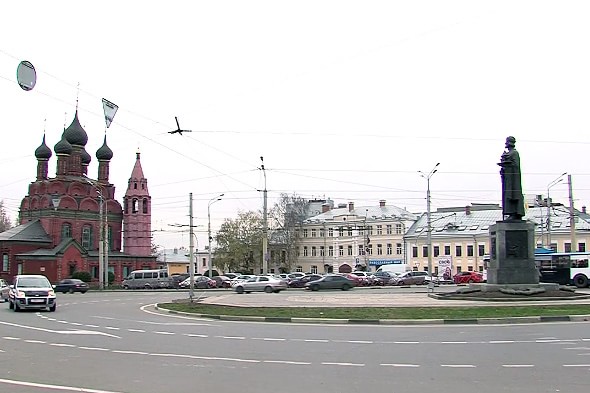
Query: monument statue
512	199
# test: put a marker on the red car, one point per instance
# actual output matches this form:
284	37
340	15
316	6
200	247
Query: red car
467	277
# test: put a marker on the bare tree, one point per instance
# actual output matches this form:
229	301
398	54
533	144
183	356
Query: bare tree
5	223
285	218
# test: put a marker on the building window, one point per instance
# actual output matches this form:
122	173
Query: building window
135	186
297	234
144	205
379	249
379	229
94	272
361	250
322	251
398	248
398	229
424	251
436	251
305	233
126	271
86	237
349	231
582	247
370	249
330	232
340	231
322	232
470	268
111	239
414	252
470	250
349	250
389	229
341	251
370	229
447	250
5	265
458	251
314	233
66	231
330	251
204	262
134	205
299	269
313	251
314	269
389	249
481	250
361	231
458	269
567	247
304	251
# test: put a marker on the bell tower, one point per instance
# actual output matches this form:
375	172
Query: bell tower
137	214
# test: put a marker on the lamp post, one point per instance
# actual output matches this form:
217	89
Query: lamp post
212	201
264	223
555	182
428	223
102	238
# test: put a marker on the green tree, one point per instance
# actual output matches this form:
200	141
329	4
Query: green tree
285	218
5	223
239	243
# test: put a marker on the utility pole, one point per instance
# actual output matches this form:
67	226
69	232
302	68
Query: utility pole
549	205
574	246
429	226
100	242
105	244
264	223
212	201
191	267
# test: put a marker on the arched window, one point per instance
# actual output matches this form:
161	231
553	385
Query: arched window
134	207
66	231
144	205
87	237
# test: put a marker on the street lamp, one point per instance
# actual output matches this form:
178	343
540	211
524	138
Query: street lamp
212	201
264	222
102	238
555	182
429	229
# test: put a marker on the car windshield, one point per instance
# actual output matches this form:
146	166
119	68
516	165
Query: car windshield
33	282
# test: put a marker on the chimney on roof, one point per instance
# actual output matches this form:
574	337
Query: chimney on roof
325	208
382	203
350	206
467	210
584	209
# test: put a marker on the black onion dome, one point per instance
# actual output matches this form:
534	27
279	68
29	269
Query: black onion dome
43	152
75	134
104	152
85	157
63	146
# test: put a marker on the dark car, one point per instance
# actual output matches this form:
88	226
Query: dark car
222	281
467	277
331	281
178	278
410	278
300	282
71	285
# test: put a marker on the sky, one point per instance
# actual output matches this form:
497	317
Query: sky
346	100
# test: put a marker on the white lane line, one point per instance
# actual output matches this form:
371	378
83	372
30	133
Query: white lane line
399	365
62	322
197	335
343	364
165	333
130	352
518	365
314	341
112	328
232	337
55	387
502	342
576	365
35	342
358	342
406	342
174	355
76	324
547	341
57	331
578	348
453	342
62	345
92	326
268	339
287	362
458	365
11	338
136	330
94	349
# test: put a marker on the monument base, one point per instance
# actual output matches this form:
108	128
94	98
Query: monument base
484	287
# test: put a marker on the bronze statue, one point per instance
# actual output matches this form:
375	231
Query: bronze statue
512	199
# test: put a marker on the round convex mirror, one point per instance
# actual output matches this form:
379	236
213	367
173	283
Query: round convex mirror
26	75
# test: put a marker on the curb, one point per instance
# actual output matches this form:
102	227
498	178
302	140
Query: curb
329	321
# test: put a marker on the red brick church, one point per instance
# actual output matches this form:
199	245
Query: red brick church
60	218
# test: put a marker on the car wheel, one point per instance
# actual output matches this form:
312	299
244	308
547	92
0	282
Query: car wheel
52	308
71	290
147	286
470	281
315	287
83	292
240	290
345	287
580	281
64	291
268	289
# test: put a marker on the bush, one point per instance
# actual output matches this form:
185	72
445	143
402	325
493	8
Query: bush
84	276
111	278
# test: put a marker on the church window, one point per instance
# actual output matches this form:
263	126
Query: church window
5	265
144	204
134	208
87	237
135	186
66	231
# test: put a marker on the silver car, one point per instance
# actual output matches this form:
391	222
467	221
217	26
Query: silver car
4	289
261	283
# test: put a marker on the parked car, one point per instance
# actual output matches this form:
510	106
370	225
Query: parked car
467	277
231	276
301	281
410	278
364	278
31	291
222	281
71	285
4	289
241	278
385	276
200	282
261	283
178	278
331	281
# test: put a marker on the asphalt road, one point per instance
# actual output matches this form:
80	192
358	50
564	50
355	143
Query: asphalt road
116	342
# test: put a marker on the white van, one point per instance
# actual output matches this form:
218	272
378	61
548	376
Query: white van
147	279
395	268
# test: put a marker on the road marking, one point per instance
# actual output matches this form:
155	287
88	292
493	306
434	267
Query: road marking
94	349
579	348
286	362
197	335
112	328
358	342
268	339
55	387
232	337
518	365
343	364
165	333
547	341
311	340
458	365
136	330
130	352
92	326
75	324
62	322
453	342
406	342
62	345
502	342
576	365
11	338
35	342
399	365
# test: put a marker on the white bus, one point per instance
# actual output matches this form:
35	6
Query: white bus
564	268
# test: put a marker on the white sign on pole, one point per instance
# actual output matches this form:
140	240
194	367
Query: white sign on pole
110	110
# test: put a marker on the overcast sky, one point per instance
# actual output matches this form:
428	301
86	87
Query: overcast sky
345	100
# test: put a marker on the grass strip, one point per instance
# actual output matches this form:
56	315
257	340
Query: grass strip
372	313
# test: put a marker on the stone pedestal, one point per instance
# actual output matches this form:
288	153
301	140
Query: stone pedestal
512	253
